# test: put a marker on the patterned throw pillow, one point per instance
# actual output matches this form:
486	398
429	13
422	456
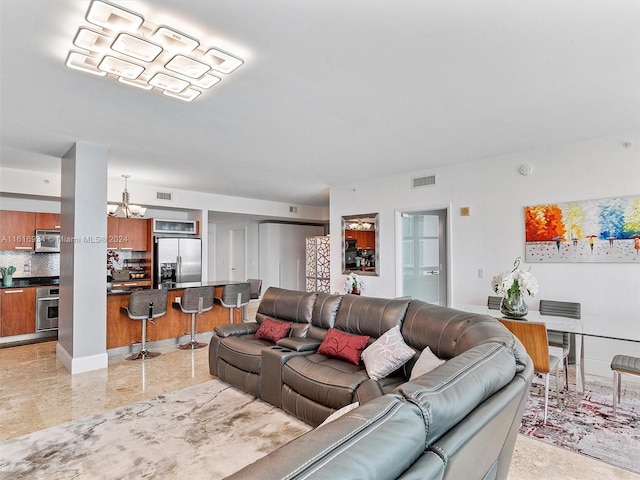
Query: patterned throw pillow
425	363
386	354
342	345
273	330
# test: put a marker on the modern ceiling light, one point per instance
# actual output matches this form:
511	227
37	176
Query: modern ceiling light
175	41
119	67
136	47
84	63
187	66
169	83
122	44
112	17
125	207
221	61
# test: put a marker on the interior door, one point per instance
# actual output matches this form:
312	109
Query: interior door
237	268
424	256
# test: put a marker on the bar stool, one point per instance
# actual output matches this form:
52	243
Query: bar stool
235	295
145	305
195	300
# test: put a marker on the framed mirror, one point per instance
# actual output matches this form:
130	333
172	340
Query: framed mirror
360	244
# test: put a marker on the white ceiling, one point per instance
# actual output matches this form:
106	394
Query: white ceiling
331	90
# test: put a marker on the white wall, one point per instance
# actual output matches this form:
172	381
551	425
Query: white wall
493	235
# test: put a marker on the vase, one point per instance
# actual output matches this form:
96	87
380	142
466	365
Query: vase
514	306
7	280
355	291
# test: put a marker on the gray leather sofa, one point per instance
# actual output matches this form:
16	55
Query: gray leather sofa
457	421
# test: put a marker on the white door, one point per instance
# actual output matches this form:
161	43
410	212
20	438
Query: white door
238	247
424	256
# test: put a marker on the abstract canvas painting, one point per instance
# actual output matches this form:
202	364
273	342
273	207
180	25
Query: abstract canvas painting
604	230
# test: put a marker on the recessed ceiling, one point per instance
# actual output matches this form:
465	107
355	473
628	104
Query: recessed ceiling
330	92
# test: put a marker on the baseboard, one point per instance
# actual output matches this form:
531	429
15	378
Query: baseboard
81	364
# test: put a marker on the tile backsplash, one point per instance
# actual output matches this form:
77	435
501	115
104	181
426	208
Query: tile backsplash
29	264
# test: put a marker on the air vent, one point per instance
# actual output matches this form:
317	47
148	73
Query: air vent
428	181
163	196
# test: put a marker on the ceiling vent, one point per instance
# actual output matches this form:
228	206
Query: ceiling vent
428	181
163	196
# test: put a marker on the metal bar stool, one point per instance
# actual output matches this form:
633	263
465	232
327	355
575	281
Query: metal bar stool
145	305
195	300
235	295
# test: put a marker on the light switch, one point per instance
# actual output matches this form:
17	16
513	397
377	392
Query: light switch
481	273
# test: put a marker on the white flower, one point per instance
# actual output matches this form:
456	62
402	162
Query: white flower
506	283
353	282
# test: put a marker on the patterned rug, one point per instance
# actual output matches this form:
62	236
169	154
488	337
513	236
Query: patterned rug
585	424
205	431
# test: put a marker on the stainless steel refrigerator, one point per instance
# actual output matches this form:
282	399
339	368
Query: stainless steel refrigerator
177	260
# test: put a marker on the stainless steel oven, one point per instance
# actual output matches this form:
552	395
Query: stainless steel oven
47	300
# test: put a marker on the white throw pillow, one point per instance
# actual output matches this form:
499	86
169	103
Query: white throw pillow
339	413
386	354
427	361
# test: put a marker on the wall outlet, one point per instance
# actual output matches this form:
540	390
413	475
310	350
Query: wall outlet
481	273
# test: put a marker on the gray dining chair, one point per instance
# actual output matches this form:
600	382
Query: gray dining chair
235	295
195	300
145	305
561	339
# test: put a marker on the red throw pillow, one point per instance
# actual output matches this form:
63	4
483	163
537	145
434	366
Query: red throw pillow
273	330
346	346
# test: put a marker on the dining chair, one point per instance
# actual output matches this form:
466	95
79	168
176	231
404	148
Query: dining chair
493	302
561	339
533	335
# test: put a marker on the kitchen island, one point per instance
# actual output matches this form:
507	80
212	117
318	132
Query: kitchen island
170	328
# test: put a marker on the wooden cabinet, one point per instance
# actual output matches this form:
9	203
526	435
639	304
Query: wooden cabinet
47	221
17	311
127	234
366	238
17	230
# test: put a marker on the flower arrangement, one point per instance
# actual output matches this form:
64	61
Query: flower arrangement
517	281
113	260
353	283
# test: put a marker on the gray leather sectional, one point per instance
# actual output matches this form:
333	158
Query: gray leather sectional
459	420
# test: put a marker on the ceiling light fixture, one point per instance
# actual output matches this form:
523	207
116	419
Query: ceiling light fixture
125	207
360	225
122	44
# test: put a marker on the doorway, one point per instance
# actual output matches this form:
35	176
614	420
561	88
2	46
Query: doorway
238	249
424	256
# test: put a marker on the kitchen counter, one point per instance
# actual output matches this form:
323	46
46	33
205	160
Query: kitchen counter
122	331
32	282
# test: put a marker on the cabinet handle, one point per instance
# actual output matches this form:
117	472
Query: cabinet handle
126	248
23	248
130	284
13	291
56	226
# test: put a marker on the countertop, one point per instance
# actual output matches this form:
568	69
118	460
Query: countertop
181	286
19	282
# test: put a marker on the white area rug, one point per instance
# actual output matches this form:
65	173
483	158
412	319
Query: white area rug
206	431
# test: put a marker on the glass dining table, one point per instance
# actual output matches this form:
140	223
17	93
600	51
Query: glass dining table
558	324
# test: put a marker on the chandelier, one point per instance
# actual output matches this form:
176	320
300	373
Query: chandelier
125	207
360	225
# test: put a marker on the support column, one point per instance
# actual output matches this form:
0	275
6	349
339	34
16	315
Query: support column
82	336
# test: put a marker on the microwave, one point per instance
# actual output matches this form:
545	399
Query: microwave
47	241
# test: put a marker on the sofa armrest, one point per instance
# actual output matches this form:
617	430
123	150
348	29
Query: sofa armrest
300	344
368	390
236	329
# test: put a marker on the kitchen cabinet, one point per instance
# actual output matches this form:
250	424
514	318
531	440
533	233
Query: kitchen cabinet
17	230
366	238
127	234
17	311
47	221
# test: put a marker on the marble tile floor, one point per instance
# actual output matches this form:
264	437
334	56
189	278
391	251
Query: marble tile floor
37	392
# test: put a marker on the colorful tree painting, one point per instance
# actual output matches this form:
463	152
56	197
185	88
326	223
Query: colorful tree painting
543	223
604	230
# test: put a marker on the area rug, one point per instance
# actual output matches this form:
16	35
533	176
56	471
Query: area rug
205	431
585	424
